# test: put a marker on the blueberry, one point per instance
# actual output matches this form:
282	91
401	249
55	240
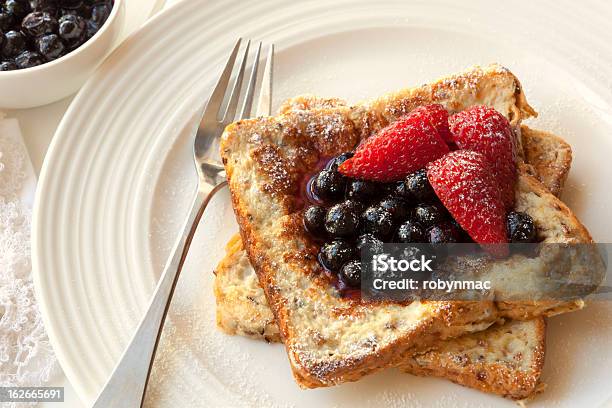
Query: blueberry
28	59
358	206
50	46
410	232
7	21
91	29
69	12
377	221
71	4
429	215
342	220
328	185
43	5
335	254
417	185
100	13
375	244
389	188
18	8
39	23
71	27
7	66
445	233
78	9
338	160
398	208
350	273
362	190
314	219
409	253
521	227
14	43
399	189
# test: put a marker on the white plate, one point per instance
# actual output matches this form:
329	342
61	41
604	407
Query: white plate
137	12
118	179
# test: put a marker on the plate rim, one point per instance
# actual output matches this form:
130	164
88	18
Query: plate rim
158	11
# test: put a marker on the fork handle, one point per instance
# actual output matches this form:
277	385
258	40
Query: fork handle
127	385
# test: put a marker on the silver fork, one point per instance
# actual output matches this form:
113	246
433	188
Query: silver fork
127	385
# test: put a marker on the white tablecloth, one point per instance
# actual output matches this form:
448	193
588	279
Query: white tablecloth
37	128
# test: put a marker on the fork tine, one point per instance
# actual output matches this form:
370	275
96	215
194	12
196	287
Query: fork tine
264	105
232	105
216	98
245	112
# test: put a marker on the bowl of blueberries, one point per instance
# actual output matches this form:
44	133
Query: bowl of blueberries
48	48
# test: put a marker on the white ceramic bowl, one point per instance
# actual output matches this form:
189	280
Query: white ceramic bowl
50	82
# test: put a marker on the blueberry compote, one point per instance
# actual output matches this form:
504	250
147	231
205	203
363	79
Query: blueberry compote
33	32
344	214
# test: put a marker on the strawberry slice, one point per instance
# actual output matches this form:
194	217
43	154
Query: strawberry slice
464	183
484	130
438	116
401	148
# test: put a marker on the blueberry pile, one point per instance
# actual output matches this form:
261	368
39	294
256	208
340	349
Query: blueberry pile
521	228
346	214
33	32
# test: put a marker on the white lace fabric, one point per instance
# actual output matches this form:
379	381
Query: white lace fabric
26	357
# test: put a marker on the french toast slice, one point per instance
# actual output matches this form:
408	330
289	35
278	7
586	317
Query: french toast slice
504	359
331	339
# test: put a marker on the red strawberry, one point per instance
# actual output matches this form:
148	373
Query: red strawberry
438	116
464	183
484	130
401	148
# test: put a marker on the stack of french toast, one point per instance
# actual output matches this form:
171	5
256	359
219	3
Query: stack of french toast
269	286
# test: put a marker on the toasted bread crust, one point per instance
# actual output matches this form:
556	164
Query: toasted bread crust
242	307
467	359
550	156
266	160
